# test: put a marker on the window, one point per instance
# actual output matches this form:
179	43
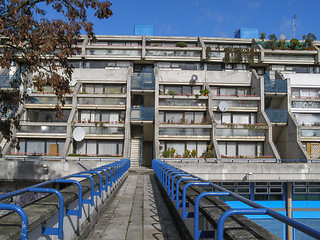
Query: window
98	147
306	191
237	118
100	116
180	147
103	88
234	149
230	91
40	146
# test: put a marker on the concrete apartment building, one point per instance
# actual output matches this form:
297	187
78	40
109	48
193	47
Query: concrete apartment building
225	105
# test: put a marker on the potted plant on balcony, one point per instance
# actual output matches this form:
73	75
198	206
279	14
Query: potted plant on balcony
186	153
204	92
172	152
194	153
172	93
166	153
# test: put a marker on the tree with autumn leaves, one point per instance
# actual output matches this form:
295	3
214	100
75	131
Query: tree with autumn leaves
42	46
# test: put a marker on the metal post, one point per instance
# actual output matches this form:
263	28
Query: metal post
289	210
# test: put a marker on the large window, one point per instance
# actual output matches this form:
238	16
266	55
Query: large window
264	191
303	191
240	118
41	146
240	149
37	115
98	147
180	147
181	117
306	92
103	88
231	91
101	116
180	90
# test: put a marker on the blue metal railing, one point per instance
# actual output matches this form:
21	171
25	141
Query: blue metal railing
142	113
143	80
277	115
164	172
275	85
116	170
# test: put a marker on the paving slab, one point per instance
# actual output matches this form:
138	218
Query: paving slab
137	212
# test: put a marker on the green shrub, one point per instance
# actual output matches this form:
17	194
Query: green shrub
194	153
166	153
181	44
187	153
172	152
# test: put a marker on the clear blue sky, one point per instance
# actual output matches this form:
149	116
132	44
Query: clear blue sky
212	18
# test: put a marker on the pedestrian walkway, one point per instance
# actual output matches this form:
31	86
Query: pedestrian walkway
137	212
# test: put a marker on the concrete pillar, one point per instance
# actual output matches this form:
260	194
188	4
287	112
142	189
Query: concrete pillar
289	209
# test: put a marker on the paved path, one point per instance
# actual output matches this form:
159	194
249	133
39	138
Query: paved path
134	213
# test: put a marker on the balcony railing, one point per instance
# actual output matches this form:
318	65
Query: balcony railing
182	102
43	129
142	113
103	130
185	131
46	100
277	115
240	132
275	85
143	80
237	103
101	101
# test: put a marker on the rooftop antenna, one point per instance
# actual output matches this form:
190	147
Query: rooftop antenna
293	26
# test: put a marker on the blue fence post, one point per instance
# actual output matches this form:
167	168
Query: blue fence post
177	189
184	193
172	183
53	231
23	216
197	233
91	200
100	182
72	211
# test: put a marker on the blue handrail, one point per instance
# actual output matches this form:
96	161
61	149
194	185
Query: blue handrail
161	169
243	211
116	169
53	231
23	216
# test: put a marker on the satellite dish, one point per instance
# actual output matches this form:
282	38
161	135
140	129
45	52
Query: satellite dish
282	37
194	77
73	82
78	134
223	106
29	91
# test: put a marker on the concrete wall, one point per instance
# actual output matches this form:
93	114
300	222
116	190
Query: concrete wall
303	79
100	74
252	172
239	78
180	76
44	170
